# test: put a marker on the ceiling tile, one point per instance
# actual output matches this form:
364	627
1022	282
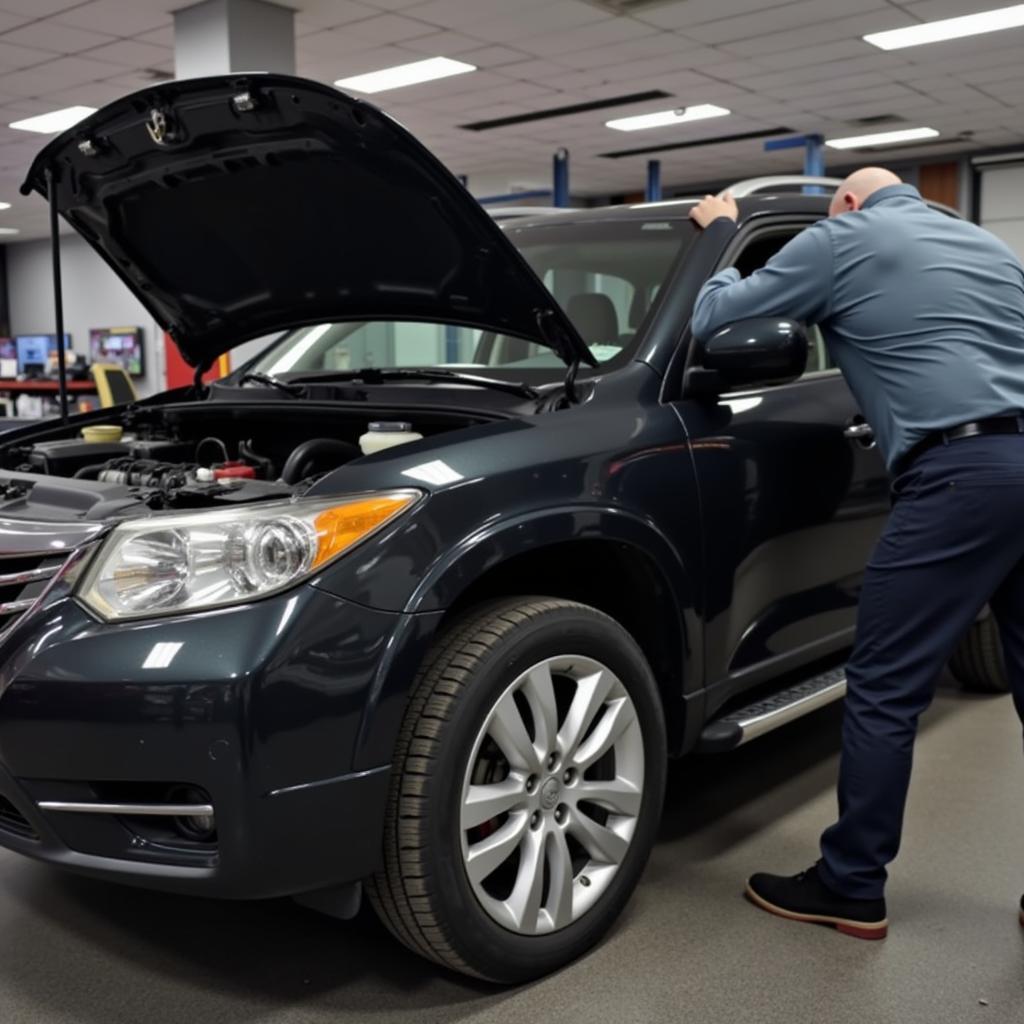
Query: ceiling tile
117	17
389	28
442	44
36	8
133	54
317	14
697	12
14	57
493	56
54	37
776	19
163	36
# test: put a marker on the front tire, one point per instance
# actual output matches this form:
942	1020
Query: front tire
526	790
978	662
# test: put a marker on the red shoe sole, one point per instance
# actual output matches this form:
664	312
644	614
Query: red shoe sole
855	929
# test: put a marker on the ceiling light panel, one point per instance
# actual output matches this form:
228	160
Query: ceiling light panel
53	122
663	118
949	28
883	138
403	75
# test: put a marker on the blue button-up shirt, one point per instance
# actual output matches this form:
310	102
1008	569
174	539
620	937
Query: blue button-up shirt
923	313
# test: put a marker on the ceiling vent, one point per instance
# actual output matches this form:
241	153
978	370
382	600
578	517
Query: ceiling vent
876	119
630	6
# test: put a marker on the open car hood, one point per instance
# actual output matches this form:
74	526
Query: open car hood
246	204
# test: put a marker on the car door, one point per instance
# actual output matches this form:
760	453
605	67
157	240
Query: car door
793	496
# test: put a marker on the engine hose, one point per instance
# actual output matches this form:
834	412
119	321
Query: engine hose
307	455
90	472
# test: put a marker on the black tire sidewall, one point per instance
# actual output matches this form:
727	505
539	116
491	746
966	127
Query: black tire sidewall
488	948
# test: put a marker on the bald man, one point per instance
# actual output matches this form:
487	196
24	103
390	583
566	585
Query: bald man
924	314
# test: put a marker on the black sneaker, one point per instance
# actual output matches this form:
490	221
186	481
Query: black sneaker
805	897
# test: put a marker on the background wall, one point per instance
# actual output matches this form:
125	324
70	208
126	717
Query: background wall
93	297
1002	211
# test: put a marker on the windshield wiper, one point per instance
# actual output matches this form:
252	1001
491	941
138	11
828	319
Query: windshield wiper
273	382
373	375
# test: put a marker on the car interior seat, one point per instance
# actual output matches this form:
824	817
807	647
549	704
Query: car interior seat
594	316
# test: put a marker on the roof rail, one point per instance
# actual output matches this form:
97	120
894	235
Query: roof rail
751	185
515	212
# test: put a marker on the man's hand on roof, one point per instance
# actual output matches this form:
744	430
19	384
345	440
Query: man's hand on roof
710	208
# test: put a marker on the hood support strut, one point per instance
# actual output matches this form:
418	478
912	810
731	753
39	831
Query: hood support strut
58	298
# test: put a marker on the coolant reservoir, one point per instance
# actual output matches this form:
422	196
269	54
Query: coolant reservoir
386	435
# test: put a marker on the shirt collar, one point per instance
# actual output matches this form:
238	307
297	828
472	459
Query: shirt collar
901	191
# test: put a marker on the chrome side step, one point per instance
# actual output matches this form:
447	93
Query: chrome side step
739	727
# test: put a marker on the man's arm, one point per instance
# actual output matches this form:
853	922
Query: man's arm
796	282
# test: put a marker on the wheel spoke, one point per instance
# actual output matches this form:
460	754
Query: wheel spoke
484	857
485	802
600	842
559	901
590	695
539	692
617	718
524	900
616	795
508	730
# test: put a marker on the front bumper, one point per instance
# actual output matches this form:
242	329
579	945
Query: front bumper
258	707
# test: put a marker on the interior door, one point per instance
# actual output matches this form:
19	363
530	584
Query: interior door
794	495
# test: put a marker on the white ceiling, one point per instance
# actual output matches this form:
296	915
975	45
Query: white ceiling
800	64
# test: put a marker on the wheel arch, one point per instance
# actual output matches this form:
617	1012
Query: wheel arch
606	558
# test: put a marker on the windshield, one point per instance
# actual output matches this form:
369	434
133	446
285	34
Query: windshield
604	274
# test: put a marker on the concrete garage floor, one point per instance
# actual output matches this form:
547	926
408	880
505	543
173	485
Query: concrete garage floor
688	948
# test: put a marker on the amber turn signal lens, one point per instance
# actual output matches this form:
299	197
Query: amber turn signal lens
340	527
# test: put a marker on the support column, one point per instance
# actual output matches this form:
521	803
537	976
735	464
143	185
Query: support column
220	36
653	191
560	172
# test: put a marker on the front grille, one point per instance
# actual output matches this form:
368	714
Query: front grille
12	820
23	579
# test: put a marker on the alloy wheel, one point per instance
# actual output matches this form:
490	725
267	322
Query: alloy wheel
552	794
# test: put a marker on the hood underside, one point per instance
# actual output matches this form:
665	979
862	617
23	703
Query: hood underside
246	204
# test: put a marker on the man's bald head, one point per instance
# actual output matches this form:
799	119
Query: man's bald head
852	193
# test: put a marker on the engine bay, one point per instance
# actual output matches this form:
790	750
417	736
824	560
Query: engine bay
198	455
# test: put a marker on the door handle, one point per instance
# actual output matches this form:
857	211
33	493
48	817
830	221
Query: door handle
858	431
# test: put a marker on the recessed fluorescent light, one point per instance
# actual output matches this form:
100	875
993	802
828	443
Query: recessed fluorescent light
666	117
55	121
5	206
406	74
882	138
949	28
9	231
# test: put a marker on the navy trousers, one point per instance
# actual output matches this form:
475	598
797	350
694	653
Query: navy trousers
954	541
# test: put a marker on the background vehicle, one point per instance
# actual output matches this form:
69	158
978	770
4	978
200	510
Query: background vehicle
241	658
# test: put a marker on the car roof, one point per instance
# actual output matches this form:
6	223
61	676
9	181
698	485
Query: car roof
749	206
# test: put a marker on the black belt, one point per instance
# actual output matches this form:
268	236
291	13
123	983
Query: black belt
994	425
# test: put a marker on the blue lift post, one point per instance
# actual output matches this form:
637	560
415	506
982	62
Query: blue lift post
561	177
653	193
814	156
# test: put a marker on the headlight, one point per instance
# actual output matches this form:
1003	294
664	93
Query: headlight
180	563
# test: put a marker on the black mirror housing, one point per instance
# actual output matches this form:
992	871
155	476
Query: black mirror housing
756	353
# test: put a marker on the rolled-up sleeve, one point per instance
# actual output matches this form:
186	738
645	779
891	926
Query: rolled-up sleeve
796	283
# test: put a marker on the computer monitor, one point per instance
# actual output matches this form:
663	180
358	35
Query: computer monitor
120	345
37	350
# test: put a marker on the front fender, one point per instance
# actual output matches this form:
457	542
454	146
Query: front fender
487	549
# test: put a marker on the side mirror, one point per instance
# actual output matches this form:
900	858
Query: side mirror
756	353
